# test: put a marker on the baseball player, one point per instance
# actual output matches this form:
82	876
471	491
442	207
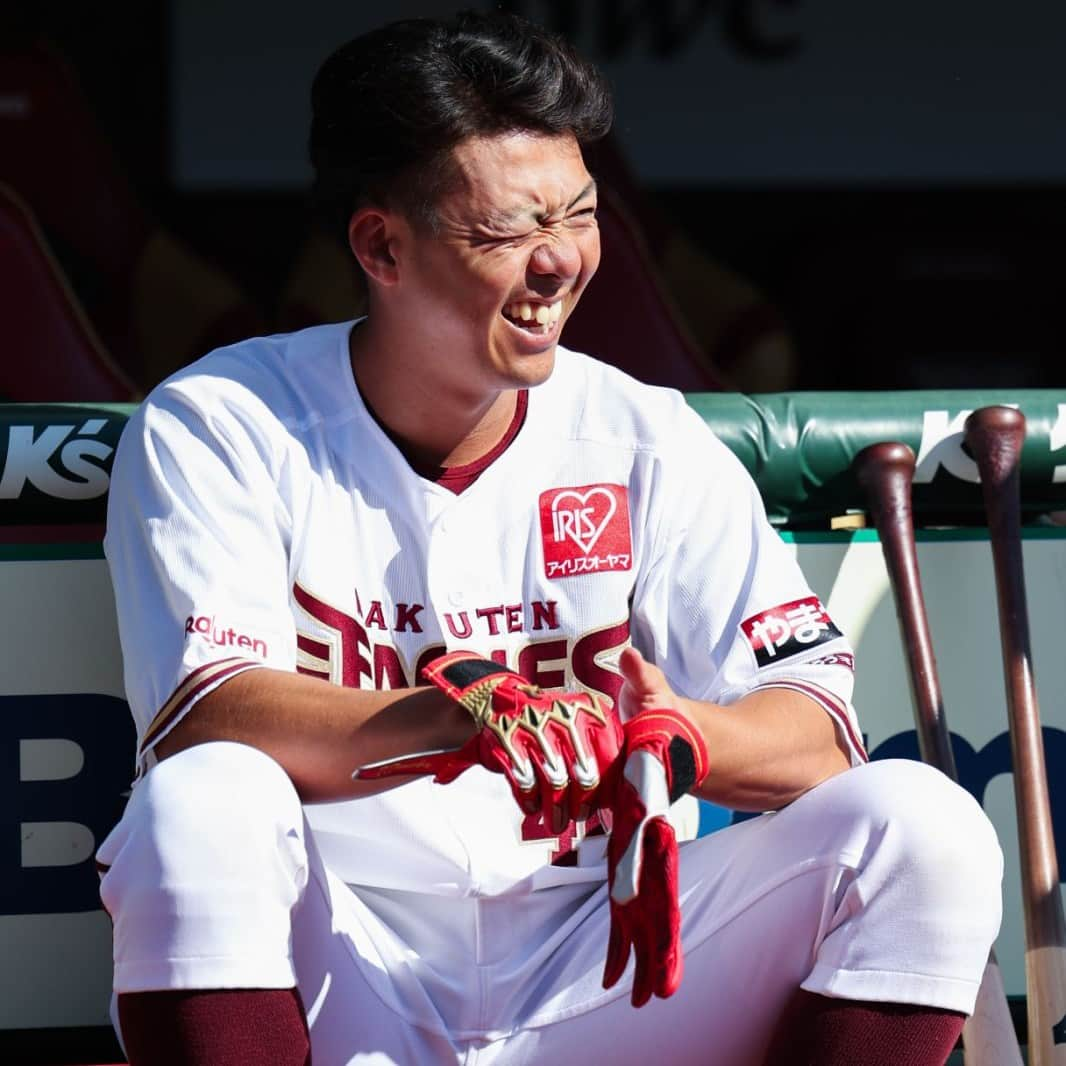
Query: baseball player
431	630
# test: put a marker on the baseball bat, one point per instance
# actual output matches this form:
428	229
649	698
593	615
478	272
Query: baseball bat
886	472
994	438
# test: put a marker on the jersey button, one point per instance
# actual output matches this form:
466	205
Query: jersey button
456	599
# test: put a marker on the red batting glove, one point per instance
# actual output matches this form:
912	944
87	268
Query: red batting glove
664	757
553	747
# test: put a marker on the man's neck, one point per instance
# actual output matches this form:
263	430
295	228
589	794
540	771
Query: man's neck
433	427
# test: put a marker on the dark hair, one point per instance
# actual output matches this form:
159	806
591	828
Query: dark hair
389	106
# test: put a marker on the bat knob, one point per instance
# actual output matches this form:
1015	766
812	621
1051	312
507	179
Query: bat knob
886	458
994	437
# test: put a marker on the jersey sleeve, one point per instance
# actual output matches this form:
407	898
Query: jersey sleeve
196	543
722	605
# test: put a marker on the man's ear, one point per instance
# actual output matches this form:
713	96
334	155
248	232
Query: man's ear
371	236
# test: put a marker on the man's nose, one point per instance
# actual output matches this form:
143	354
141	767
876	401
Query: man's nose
559	257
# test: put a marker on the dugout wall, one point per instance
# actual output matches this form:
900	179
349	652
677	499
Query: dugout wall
66	741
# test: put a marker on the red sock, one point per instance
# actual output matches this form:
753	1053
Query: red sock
228	1027
818	1031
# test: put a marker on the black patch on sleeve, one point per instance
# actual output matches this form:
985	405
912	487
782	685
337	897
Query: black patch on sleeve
682	768
788	629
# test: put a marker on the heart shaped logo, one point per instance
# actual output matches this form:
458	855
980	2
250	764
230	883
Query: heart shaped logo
582	517
585	530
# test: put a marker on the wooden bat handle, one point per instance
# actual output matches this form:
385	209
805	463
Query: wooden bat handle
994	437
886	472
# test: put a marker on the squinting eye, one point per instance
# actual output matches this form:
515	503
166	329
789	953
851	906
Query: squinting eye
512	238
583	221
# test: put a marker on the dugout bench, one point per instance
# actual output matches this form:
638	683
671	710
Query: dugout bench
67	743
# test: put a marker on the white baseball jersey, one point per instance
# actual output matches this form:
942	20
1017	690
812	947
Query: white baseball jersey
259	516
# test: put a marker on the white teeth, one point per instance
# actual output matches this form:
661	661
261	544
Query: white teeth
543	315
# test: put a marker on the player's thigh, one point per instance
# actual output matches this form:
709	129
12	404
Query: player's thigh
347	1018
740	970
754	907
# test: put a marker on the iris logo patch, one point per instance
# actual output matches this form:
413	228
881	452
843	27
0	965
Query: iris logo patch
788	629
585	529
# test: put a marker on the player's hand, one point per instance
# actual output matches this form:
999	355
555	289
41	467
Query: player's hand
664	757
644	686
554	747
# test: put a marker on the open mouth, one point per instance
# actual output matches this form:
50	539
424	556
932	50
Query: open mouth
536	318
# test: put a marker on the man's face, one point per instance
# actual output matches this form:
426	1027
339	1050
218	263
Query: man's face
516	242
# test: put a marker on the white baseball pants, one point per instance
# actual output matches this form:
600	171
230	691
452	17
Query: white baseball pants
881	884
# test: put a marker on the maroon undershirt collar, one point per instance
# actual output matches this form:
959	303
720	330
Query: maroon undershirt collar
458	478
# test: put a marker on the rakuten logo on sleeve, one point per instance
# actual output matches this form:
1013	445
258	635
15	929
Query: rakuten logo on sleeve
216	632
585	530
788	629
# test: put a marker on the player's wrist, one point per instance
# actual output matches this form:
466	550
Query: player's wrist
704	718
676	740
471	682
421	719
452	724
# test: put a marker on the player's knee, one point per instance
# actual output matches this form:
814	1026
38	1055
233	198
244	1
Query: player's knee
225	810
220	786
943	850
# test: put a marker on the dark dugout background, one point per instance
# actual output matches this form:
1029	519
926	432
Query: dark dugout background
889	176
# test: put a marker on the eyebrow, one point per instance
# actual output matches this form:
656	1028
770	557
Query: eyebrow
591	187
